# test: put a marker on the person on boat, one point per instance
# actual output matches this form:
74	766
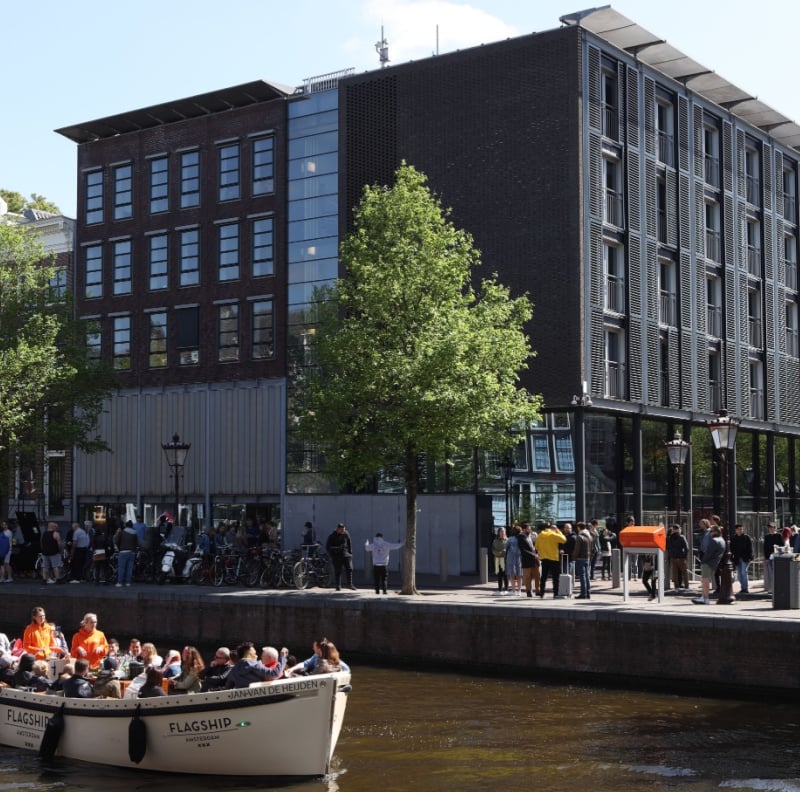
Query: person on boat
307	667
107	684
89	642
39	681
270	659
8	668
189	680
328	660
39	638
152	684
78	685
150	656
248	669
24	674
216	673
172	664
57	687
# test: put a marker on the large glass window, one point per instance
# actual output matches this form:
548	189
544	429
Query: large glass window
614	268
159	184
792	330
93	272
190	257
158	339
261	232
541	452
229	172
122	342
93	182
263	149
122	266
94	342
188	335
228	332
190	179
58	284
262	329
228	243
123	191
159	278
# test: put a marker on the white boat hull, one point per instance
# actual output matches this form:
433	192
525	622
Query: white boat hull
283	728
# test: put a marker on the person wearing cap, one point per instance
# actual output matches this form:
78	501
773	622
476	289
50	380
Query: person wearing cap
742	553
381	550
89	643
107	684
340	549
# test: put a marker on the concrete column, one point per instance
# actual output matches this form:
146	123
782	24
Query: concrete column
443	564
616	567
483	565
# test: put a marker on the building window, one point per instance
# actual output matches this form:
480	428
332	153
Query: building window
190	257
752	176
792	331
614	268
661	210
55	484
159	278
93	271
159	185
753	232
790	195
715	381
612	184
122	342
190	179
757	405
228	332
790	261
229	172
228	251
615	363
263	329
714	306
713	238
665	127
123	191
158	339
94	343
609	88
58	284
188	335
668	294
263	149
565	460
94	196
663	373
711	154
755	337
122	266
261	233
541	452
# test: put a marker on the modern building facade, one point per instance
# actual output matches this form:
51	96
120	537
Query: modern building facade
647	205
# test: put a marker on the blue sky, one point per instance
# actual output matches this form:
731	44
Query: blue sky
65	63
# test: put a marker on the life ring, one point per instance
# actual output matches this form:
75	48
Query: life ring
52	734
137	738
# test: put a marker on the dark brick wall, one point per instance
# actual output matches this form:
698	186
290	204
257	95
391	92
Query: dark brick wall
496	130
202	133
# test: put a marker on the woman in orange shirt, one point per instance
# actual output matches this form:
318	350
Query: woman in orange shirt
90	643
39	638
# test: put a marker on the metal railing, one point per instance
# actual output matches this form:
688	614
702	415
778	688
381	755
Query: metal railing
668	309
713	246
752	189
755	336
613	208
666	148
757	403
615	294
789	207
791	274
611	122
712	170
615	379
714	321
754	259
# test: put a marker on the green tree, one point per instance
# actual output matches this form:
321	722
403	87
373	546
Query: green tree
50	393
410	358
17	202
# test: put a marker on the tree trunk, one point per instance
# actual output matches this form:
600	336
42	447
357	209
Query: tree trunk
410	550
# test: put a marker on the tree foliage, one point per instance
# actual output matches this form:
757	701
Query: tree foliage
50	394
411	359
17	203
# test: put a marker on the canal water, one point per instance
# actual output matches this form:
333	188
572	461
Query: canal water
440	731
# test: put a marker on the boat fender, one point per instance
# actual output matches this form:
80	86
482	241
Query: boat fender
52	734
346	689
137	738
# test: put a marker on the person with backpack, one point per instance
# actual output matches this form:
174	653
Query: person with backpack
5	554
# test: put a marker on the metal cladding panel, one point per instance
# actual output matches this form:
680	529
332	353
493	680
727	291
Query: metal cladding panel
633	197
683	134
595	97
672	208
632	91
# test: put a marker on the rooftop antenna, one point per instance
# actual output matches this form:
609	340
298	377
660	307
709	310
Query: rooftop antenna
382	49
437	39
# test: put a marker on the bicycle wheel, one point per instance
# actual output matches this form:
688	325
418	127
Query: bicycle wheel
300	575
230	571
199	574
217	572
287	572
252	571
324	572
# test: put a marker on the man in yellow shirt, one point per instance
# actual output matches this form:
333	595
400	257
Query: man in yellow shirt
39	638
89	643
547	542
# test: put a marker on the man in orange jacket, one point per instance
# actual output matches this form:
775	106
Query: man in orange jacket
90	643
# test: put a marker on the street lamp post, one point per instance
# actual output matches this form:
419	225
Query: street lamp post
507	465
176	452
677	450
723	432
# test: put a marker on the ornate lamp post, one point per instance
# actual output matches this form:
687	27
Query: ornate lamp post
677	450
723	432
507	465
176	452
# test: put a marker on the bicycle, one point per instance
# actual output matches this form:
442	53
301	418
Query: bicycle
313	567
232	568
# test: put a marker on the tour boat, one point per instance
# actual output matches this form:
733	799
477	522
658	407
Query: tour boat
281	728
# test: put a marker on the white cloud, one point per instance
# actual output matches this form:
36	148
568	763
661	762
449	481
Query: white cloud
410	26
